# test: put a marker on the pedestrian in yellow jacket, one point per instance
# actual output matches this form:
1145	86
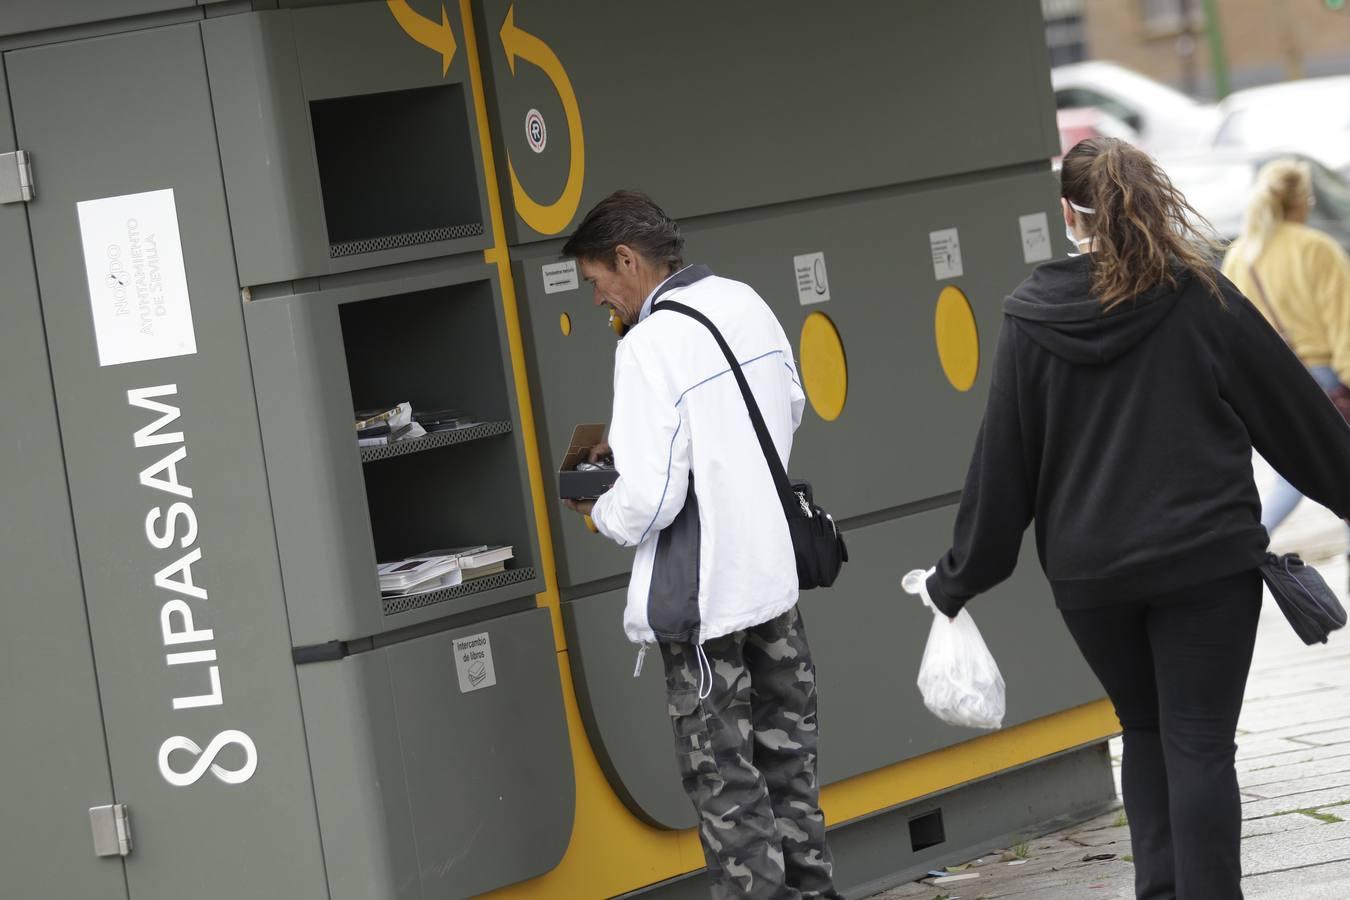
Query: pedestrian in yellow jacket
1300	280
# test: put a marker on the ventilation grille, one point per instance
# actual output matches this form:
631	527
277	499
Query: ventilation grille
395	605
409	239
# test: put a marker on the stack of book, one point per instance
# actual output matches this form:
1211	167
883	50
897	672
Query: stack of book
436	569
378	427
421	573
479	561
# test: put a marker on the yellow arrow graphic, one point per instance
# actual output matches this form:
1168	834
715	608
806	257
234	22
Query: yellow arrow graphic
553	217
426	32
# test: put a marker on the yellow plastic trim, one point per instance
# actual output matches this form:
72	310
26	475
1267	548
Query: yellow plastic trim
824	366
958	340
497	255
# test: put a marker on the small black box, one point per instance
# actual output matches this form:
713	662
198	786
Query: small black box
589	484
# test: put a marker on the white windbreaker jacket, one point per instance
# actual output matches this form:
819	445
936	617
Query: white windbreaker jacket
684	447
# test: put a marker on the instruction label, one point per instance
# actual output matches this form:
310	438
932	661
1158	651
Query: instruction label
560	276
473	662
133	259
813	285
1035	237
946	248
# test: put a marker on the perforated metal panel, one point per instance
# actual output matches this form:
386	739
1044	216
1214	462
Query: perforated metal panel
410	239
437	439
395	605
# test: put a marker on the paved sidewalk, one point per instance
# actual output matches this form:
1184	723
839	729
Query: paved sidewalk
1293	765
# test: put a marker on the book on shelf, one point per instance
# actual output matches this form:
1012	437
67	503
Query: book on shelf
404	574
389	437
434	420
472	574
394	416
480	560
453	578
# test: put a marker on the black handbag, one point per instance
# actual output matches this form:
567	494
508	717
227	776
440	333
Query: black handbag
816	541
1306	600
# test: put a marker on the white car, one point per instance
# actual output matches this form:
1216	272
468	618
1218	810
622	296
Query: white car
1166	120
1311	115
1218	184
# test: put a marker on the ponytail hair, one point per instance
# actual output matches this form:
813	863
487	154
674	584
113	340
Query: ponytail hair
1143	231
1281	185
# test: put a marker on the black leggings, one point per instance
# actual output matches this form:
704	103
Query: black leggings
1175	666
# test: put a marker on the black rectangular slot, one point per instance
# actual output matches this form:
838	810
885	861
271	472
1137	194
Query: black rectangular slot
926	831
396	168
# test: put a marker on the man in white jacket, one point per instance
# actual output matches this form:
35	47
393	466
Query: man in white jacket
714	580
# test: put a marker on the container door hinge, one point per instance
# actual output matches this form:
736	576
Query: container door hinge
112	829
16	177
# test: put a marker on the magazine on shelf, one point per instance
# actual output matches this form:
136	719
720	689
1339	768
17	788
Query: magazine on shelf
453	578
401	575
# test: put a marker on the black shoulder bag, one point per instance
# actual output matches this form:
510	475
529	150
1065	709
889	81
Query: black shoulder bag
1305	599
816	541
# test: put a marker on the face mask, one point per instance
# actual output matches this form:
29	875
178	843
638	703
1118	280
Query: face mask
1077	243
1068	232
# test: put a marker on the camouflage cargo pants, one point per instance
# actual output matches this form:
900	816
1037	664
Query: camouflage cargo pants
747	754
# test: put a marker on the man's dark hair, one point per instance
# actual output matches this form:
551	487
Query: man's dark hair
628	217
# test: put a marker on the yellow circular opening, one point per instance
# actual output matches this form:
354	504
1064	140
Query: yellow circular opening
565	323
824	368
958	340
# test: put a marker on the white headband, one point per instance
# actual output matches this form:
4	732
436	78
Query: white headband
1082	209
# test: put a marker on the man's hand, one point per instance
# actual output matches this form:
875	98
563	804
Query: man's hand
601	451
582	506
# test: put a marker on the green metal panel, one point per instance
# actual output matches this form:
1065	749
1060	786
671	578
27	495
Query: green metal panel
19	17
150	128
723	106
56	757
867	638
267	69
426	791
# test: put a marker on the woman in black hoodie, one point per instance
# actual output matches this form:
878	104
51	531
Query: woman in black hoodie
1130	385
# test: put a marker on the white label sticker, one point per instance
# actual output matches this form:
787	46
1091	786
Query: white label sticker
473	661
536	132
560	276
1035	237
813	285
133	258
946	248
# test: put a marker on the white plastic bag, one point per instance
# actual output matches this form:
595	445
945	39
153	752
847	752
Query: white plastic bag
959	680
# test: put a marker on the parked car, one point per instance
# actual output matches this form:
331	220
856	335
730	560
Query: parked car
1219	185
1311	115
1080	124
1167	121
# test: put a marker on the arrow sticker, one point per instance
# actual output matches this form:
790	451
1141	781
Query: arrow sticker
426	32
553	217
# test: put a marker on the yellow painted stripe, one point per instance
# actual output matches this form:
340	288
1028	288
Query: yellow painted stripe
963	763
498	255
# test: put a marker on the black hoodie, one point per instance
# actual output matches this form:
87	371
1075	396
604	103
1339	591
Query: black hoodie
1128	437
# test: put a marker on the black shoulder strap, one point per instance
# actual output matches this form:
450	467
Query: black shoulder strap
786	496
